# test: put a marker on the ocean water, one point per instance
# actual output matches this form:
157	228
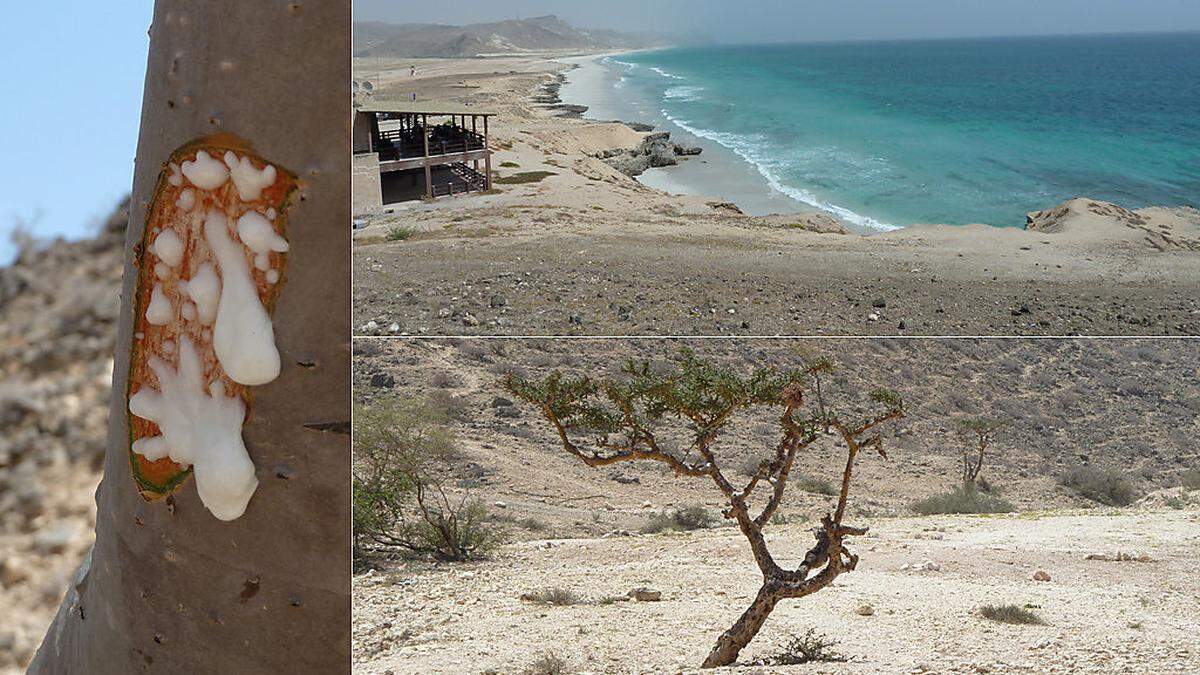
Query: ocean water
890	134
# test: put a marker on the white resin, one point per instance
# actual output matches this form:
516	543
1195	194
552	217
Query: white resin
175	178
272	276
205	172
271	213
248	180
262	262
161	270
168	246
189	311
257	233
158	312
187	199
243	337
200	429
205	290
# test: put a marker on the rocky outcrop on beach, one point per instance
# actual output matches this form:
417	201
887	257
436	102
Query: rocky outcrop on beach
1162	228
59	303
656	150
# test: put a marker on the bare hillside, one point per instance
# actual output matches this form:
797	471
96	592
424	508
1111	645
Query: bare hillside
540	34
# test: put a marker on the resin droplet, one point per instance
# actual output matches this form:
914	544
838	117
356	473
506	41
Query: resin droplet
200	429
168	246
243	337
205	290
248	180
205	172
158	312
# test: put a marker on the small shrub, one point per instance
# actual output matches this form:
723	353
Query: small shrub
400	233
812	647
547	664
523	178
559	597
1105	486
509	165
749	467
1190	479
818	486
693	517
1010	614
962	500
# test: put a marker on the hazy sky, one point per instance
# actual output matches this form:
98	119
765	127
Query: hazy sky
69	111
806	20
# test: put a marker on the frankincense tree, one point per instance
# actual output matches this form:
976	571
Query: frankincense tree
680	418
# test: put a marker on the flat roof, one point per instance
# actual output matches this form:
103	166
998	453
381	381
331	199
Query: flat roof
420	108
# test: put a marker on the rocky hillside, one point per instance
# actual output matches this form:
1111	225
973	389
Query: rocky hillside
59	303
546	33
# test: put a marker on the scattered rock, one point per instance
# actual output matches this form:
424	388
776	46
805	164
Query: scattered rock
1041	575
645	595
865	610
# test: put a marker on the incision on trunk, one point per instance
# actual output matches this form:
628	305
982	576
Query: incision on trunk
211	265
607	422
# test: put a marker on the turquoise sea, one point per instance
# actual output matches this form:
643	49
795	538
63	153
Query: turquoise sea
888	134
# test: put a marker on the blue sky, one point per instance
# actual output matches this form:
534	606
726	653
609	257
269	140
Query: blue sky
70	106
816	20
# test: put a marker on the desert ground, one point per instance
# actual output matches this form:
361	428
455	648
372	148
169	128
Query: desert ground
588	250
1127	405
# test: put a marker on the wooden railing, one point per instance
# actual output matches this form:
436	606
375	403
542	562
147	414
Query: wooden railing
397	144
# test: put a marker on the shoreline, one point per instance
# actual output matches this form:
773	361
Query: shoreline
526	258
720	173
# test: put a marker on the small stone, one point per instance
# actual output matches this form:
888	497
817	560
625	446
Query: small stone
394	328
872	317
865	610
500	505
1041	575
470	320
647	504
645	595
501	402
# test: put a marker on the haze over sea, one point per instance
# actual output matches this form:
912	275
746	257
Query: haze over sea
889	134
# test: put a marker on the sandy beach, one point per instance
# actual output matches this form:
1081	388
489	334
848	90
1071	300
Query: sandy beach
589	250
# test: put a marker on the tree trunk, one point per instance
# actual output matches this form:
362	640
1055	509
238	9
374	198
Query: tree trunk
169	587
732	641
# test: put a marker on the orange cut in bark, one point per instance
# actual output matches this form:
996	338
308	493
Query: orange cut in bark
172	209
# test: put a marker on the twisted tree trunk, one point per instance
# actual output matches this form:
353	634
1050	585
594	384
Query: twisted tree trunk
732	641
174	584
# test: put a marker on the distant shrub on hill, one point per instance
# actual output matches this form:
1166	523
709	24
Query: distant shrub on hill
1190	479
962	500
1106	486
692	517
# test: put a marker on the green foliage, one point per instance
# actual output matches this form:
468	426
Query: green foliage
812	647
692	517
1190	479
509	165
1014	614
698	391
523	178
403	451
401	232
1106	486
964	499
